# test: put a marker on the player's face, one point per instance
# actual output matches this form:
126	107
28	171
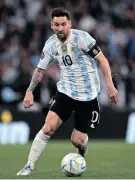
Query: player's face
61	27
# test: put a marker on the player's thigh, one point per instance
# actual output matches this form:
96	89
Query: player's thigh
62	105
87	115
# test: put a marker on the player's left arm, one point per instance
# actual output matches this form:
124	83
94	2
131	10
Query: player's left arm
97	54
88	44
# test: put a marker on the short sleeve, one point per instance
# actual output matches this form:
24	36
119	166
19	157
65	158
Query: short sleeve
46	59
87	42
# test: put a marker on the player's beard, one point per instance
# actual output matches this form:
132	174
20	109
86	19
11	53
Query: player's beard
62	36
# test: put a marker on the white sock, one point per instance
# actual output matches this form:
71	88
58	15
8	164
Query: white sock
37	147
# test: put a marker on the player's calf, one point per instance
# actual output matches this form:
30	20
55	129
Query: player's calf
40	142
84	148
80	143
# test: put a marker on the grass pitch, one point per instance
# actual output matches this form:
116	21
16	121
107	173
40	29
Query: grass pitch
105	160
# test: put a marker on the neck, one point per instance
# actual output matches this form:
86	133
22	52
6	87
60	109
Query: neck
68	34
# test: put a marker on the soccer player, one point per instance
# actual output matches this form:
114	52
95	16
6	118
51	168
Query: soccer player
77	54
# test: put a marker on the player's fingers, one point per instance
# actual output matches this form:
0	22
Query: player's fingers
27	104
115	99
31	104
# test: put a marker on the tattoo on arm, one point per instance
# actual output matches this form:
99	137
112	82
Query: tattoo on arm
36	78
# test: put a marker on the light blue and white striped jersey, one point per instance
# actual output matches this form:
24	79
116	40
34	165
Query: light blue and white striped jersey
79	74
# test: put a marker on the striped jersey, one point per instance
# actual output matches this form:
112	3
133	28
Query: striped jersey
79	74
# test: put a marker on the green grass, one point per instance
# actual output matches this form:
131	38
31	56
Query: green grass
105	160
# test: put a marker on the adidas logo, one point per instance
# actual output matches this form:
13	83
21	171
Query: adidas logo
57	54
92	126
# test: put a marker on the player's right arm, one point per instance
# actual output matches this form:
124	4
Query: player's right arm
37	77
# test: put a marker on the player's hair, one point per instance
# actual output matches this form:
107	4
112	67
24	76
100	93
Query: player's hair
60	12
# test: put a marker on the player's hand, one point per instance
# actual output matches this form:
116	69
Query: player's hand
113	94
28	99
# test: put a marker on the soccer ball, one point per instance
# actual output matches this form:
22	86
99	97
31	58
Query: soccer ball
73	165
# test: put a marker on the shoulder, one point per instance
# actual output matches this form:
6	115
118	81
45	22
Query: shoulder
51	41
80	33
83	39
50	44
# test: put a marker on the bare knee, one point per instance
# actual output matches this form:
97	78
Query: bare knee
78	138
52	122
48	129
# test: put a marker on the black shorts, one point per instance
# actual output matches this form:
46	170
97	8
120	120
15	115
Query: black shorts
86	113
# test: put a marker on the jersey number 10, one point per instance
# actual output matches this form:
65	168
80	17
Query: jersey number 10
67	60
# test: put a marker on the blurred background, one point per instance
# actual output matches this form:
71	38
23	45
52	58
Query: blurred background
24	28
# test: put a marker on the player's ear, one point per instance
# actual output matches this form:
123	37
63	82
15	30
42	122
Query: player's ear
51	24
70	23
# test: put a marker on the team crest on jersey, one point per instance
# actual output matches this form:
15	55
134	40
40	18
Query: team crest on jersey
64	48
